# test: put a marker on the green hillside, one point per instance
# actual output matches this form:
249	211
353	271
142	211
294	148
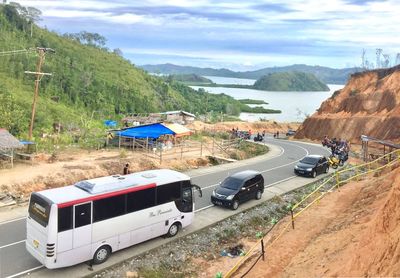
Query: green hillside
89	82
290	81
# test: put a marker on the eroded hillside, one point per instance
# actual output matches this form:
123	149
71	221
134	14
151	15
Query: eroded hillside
369	104
353	232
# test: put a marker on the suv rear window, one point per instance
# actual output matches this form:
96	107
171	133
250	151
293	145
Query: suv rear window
39	209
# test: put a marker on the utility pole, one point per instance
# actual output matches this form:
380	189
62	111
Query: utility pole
42	53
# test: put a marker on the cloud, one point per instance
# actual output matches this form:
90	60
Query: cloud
231	31
361	2
273	7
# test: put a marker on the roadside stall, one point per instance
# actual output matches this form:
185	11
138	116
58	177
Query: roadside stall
8	145
144	136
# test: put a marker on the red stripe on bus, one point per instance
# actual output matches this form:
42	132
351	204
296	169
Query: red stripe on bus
105	195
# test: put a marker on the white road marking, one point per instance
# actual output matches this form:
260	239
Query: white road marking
211	172
275	183
24	272
200	209
307	153
11	244
13	220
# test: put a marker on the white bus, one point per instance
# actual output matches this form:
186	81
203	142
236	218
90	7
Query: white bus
93	218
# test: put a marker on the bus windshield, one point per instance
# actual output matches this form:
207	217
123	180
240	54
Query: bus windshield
39	210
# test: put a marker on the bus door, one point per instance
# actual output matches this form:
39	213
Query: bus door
187	200
197	188
82	225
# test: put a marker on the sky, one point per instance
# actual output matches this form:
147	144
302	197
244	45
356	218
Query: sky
239	35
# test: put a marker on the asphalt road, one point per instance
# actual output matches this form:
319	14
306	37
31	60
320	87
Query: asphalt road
15	260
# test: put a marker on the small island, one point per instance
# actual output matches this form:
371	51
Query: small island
290	81
190	79
252	101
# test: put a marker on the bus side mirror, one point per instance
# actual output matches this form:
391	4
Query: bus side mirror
198	188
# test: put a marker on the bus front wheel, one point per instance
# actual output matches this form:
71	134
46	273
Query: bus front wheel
102	254
173	230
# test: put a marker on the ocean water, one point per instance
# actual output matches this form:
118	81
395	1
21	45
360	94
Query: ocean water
295	106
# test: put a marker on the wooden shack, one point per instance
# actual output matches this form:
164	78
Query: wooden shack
8	145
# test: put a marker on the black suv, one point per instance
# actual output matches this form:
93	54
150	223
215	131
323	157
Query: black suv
312	165
290	132
238	188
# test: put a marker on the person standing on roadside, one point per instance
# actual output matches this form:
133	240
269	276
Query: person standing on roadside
126	169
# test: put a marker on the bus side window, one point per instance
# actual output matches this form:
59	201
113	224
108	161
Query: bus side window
140	199
108	208
83	215
168	192
64	219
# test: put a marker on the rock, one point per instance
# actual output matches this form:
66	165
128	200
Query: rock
132	274
7	201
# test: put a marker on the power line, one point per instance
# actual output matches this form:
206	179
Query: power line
14	52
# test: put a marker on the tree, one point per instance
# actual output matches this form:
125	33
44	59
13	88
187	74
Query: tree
87	38
33	16
30	14
11	115
118	52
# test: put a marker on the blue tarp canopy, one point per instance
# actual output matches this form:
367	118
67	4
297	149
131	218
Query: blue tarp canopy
27	142
110	123
145	131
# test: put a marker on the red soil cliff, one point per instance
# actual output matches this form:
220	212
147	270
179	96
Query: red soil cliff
369	104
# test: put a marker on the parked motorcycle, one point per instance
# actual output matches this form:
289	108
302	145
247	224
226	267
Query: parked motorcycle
333	161
343	156
258	138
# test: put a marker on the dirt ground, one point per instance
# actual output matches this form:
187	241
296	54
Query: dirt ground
352	232
72	165
254	127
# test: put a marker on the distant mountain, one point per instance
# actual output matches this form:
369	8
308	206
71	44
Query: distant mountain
325	74
290	81
174	69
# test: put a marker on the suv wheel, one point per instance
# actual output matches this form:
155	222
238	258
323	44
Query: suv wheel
314	174
258	195
327	170
235	204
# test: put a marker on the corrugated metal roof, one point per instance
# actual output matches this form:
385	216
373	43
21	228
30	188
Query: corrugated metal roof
7	141
179	130
178	112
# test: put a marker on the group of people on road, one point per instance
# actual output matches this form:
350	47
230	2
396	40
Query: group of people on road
336	144
259	137
236	133
339	147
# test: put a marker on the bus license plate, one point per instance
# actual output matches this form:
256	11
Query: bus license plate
35	243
